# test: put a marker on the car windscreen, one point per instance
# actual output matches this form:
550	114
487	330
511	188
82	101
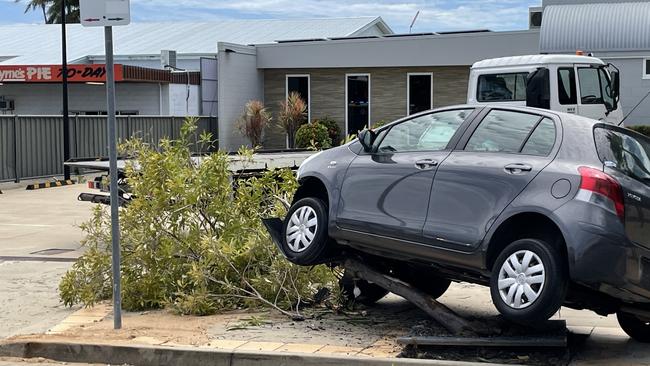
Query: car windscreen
625	151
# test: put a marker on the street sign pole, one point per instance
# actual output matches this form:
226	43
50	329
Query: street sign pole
109	13
64	79
112	156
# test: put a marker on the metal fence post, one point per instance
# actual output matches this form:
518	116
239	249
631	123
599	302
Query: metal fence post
16	160
75	136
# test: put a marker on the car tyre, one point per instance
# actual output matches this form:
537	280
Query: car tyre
529	281
425	281
636	328
305	240
368	294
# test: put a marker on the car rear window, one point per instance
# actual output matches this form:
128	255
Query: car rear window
625	151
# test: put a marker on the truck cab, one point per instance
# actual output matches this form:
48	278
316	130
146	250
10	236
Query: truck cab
574	84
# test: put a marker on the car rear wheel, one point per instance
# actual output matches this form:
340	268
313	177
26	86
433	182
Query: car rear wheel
360	291
529	281
638	329
304	233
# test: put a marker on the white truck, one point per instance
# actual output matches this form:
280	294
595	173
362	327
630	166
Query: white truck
575	84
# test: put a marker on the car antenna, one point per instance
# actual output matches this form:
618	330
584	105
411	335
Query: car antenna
635	107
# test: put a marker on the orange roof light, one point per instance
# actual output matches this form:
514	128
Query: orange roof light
580	53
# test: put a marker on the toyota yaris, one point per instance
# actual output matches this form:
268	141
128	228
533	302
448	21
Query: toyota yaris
547	209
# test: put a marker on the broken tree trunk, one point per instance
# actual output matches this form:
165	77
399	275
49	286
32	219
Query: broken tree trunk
439	312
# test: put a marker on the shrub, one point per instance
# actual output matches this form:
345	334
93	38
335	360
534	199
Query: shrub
253	121
642	129
293	114
333	129
313	135
191	241
379	123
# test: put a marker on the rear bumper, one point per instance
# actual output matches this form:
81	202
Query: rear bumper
601	256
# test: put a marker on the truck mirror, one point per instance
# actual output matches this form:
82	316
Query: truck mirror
538	93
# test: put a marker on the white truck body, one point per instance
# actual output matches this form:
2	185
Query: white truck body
578	84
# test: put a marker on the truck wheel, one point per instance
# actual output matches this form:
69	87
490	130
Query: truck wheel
528	282
368	293
304	233
636	328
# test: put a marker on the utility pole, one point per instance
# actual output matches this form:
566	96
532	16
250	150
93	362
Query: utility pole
64	78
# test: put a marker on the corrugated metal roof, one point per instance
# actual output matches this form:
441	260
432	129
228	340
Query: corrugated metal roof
596	27
536	60
41	44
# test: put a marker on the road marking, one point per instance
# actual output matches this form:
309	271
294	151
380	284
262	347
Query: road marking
37	259
28	225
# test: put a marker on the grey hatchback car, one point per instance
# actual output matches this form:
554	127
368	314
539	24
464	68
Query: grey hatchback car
547	209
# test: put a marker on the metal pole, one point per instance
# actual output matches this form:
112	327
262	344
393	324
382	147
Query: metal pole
112	155
64	78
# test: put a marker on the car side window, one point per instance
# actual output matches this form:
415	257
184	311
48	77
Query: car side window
431	132
502	131
541	141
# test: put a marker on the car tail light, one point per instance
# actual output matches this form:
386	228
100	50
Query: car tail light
601	189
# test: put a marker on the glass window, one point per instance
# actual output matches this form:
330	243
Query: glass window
630	154
590	89
567	85
502	87
502	131
299	84
541	141
358	103
646	69
431	132
606	89
419	93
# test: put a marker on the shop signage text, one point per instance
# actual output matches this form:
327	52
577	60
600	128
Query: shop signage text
53	73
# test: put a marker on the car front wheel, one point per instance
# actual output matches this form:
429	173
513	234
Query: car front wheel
637	328
529	281
305	239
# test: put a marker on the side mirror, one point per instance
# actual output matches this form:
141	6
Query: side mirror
367	139
538	89
616	85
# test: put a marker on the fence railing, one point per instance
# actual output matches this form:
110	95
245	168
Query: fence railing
32	146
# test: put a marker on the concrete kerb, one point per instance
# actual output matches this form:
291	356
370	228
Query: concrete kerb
184	356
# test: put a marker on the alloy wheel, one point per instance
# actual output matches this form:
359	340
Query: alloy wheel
521	279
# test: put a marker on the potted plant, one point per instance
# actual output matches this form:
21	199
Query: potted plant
293	114
253	121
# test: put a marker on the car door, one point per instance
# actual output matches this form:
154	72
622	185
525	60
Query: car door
386	192
477	182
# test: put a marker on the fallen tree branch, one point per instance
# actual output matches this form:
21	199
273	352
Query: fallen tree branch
440	313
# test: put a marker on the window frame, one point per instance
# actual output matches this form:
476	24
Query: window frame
573	84
453	141
646	70
286	90
478	87
408	90
347	76
478	120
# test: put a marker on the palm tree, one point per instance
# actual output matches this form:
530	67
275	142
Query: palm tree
32	5
54	11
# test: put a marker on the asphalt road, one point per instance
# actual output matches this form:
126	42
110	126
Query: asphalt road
39	240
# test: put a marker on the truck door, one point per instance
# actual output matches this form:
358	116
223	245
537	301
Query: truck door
594	92
566	99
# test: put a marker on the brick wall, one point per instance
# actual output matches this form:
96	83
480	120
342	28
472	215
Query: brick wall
388	92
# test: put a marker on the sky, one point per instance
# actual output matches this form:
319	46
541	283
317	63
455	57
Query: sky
435	15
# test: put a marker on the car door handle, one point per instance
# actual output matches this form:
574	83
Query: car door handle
518	168
426	164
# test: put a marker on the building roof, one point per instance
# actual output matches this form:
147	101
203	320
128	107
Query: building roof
433	49
41	43
606	27
536	60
